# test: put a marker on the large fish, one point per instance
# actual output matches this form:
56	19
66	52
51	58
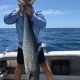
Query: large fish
30	51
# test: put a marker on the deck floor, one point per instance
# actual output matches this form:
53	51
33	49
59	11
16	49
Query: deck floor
55	77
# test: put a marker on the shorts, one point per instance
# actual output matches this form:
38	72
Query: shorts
20	59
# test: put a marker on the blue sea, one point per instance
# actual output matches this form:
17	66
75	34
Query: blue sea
57	39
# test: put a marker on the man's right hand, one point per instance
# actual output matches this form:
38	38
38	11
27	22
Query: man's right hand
21	8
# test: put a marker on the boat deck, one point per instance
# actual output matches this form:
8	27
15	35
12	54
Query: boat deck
55	77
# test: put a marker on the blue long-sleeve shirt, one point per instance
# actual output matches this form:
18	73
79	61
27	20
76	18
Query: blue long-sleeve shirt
38	22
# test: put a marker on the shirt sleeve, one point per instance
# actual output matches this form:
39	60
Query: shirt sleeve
39	20
11	17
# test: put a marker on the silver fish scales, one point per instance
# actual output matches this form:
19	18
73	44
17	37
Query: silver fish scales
30	50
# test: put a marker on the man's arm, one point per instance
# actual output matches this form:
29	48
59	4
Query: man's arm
39	19
11	17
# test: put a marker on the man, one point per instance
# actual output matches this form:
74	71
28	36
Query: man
38	23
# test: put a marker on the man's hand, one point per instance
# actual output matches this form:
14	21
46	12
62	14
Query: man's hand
21	8
27	10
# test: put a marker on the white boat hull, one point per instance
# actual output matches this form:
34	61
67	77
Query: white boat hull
72	56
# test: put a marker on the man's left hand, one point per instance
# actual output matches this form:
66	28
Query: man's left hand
27	10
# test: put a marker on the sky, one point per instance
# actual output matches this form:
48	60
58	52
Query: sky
58	13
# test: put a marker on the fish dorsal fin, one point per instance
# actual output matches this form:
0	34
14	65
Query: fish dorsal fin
31	2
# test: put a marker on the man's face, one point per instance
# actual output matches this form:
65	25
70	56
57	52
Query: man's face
26	1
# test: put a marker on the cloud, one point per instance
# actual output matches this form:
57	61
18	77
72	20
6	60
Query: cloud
52	12
57	12
6	8
3	7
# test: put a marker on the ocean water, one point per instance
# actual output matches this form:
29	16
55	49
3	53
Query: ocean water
57	39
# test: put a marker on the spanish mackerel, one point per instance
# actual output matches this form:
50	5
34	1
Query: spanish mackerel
30	51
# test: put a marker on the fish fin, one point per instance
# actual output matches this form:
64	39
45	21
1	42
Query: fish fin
31	2
32	76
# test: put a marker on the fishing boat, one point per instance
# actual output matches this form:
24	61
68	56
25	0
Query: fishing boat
65	65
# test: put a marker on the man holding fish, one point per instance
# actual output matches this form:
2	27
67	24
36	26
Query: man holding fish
38	22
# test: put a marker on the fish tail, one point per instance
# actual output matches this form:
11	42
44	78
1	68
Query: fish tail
34	75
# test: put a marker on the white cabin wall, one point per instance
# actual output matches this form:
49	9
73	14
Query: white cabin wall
11	63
